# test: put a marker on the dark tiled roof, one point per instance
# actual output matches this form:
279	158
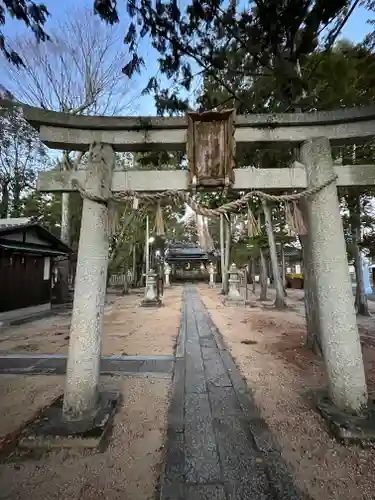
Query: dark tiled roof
187	252
42	232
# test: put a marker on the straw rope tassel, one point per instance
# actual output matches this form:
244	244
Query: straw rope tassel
208	239
200	230
290	219
113	219
298	219
253	228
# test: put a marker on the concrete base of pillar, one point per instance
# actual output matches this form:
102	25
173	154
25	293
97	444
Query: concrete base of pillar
346	428
49	430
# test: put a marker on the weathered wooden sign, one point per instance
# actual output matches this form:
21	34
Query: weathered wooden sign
211	148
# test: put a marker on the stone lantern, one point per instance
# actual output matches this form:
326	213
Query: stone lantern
151	297
129	276
234	285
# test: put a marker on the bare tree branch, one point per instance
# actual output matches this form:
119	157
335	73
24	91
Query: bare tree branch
78	71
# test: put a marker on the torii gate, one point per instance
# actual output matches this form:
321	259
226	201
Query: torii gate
313	133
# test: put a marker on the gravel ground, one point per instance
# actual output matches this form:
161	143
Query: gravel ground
128	329
21	397
281	371
129	469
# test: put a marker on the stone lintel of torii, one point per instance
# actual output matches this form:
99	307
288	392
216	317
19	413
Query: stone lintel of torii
76	133
313	133
246	179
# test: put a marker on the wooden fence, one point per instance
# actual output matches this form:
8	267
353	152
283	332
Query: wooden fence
118	279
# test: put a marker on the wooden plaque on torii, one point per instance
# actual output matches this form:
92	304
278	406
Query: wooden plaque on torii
211	149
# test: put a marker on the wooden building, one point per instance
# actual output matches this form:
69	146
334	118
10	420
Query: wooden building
189	262
26	260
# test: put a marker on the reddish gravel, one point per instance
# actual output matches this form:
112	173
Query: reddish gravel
281	371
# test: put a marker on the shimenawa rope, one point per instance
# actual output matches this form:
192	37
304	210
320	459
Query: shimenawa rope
231	206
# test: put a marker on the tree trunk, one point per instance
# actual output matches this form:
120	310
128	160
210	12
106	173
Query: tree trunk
313	341
228	235
283	268
354	207
222	252
279	301
109	274
141	266
252	272
311	306
360	292
65	218
253	277
133	266
63	265
270	272
4	205
263	276
16	201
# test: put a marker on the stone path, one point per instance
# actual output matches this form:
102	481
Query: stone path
219	447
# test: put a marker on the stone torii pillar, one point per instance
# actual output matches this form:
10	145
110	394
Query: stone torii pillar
83	370
338	324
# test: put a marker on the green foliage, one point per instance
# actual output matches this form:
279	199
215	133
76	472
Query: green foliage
293	276
46	209
224	41
344	77
158	160
240	253
21	156
370	38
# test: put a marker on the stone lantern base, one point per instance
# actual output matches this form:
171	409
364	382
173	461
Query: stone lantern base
151	303
238	301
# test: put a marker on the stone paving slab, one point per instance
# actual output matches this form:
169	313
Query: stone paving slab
205	492
57	365
180	347
218	446
7	365
201	456
175	464
224	402
176	414
215	372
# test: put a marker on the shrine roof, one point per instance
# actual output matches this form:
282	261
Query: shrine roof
177	252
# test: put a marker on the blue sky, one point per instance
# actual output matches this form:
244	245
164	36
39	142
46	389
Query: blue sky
355	30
